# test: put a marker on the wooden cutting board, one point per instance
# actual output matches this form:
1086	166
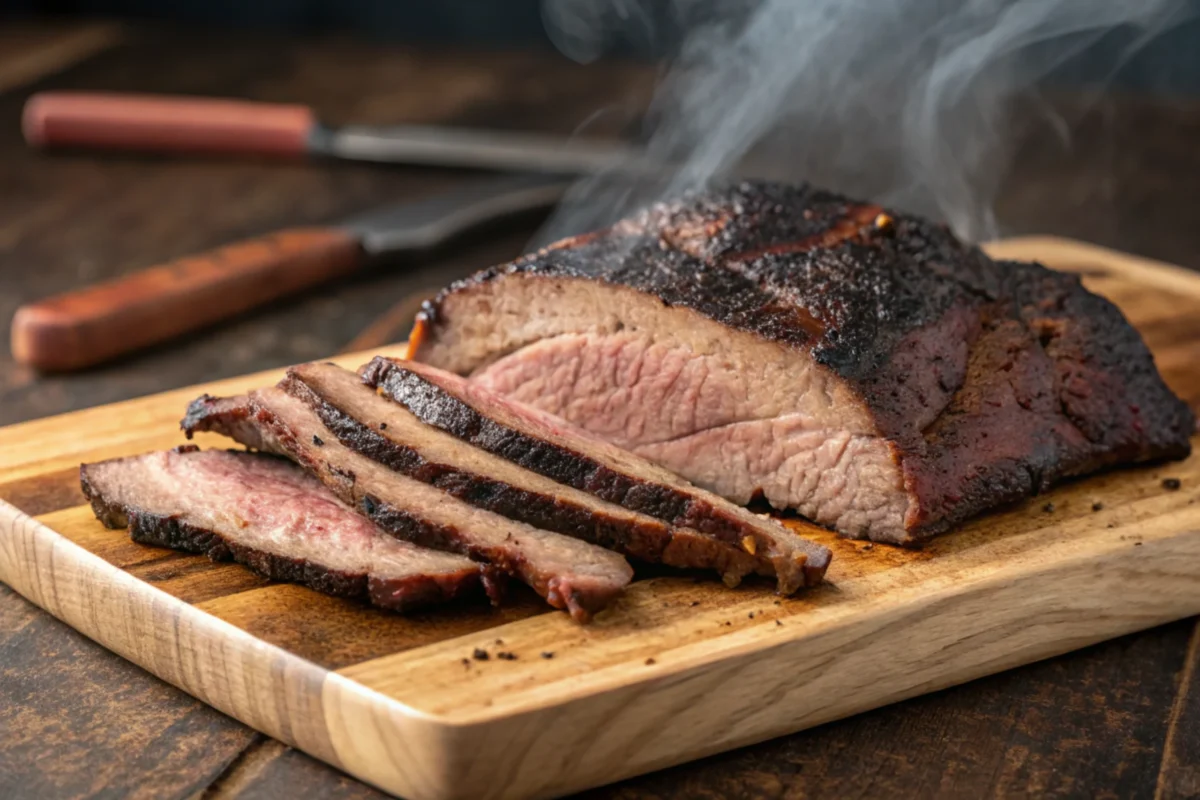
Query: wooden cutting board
679	669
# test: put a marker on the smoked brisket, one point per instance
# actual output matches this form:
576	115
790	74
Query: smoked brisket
859	365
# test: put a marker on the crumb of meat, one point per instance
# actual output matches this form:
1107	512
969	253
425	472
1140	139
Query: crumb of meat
480	654
506	656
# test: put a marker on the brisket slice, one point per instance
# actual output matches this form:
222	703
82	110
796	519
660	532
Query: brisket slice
570	574
861	366
274	518
390	434
545	445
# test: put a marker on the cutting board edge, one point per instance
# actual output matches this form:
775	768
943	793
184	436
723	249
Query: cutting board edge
597	737
193	650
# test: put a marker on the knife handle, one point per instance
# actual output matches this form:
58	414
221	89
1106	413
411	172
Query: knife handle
166	124
86	327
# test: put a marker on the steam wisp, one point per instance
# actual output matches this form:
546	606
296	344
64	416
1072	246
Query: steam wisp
906	103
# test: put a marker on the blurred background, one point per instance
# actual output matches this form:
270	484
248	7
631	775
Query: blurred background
999	117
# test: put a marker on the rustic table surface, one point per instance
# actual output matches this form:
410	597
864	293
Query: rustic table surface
1120	719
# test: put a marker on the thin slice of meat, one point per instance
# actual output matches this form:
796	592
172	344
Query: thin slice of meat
569	573
555	449
390	434
274	518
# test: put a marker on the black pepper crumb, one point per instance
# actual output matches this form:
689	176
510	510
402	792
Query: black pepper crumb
728	623
506	656
318	441
1137	544
694	603
1048	507
547	654
480	654
868	546
1171	484
780	624
1097	506
383	426
751	615
778	602
1111	525
650	661
466	662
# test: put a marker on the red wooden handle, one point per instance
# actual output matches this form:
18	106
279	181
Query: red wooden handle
165	124
85	327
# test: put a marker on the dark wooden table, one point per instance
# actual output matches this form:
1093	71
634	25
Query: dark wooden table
1121	719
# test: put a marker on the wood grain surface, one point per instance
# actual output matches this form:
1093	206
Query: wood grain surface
1091	723
680	668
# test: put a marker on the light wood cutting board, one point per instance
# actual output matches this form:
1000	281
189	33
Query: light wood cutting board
679	669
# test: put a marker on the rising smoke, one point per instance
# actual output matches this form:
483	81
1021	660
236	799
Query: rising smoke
906	102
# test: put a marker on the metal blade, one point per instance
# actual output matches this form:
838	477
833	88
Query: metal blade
429	223
480	149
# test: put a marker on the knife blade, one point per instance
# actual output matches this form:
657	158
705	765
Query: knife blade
176	124
88	326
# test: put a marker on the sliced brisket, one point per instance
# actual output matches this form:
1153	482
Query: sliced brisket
391	435
861	366
272	517
569	573
545	445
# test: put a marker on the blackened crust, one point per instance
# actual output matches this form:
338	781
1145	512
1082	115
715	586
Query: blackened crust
793	264
400	594
648	539
439	408
1058	385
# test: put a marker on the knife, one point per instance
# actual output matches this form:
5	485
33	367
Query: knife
177	124
88	326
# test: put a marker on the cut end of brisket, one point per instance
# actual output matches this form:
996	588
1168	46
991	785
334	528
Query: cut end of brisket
275	519
885	380
545	445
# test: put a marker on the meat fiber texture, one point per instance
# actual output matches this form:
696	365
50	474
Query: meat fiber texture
274	518
861	366
389	433
544	445
570	574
